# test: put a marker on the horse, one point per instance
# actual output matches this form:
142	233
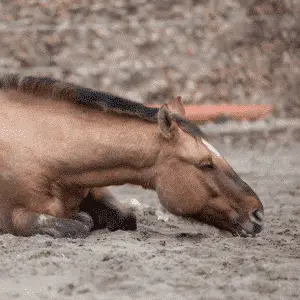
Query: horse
62	145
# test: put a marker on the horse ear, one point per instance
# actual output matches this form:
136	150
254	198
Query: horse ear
167	124
176	106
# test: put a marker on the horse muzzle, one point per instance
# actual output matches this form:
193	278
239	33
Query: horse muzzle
252	226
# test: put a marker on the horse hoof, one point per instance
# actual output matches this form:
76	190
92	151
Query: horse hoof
69	228
85	219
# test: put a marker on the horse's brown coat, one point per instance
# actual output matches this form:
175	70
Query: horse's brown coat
58	141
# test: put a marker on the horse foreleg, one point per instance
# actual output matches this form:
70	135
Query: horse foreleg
28	223
107	212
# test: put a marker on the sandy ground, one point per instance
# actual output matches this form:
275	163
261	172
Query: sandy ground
167	258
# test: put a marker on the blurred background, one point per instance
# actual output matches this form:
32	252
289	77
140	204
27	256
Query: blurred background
207	51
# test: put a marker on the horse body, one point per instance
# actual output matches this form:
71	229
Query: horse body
52	165
61	145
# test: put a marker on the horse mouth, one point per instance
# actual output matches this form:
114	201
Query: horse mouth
246	229
242	233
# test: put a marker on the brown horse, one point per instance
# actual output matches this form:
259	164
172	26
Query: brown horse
62	144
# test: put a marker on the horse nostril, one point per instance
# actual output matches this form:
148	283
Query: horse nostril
257	216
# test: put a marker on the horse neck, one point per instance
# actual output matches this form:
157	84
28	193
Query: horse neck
118	150
81	144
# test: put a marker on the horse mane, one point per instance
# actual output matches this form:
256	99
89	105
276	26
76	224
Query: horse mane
46	87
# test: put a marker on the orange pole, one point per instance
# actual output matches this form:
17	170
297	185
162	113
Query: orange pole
202	113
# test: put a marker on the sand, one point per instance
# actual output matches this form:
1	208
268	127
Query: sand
168	258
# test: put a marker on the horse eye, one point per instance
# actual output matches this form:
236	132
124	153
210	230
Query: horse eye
206	166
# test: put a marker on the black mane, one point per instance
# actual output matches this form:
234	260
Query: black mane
58	90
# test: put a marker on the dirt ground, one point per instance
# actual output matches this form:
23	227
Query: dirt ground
168	258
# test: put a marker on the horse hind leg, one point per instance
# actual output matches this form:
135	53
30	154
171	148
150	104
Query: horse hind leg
27	223
107	212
